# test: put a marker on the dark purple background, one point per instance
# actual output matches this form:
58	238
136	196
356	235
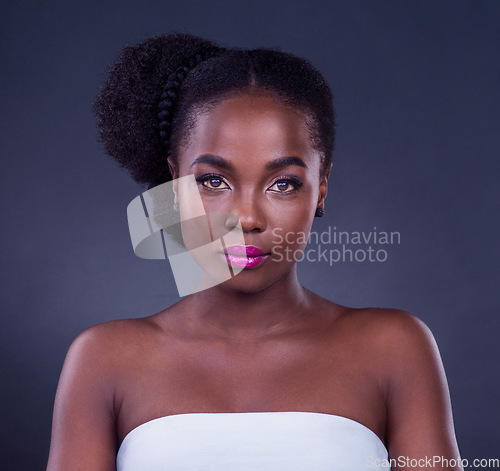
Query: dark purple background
417	98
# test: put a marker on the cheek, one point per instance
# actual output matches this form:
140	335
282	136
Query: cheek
296	214
291	229
299	217
292	224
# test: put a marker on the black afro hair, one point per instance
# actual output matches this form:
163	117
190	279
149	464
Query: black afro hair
147	105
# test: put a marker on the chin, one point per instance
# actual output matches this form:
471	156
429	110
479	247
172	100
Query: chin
250	282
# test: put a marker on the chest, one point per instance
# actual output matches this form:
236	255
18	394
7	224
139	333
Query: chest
276	376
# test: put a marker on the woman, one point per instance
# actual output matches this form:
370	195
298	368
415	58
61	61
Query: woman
254	371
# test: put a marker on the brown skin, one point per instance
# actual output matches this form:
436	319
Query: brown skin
260	341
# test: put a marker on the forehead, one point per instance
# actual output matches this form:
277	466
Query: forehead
251	125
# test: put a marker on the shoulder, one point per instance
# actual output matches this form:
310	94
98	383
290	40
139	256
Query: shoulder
393	341
402	346
398	351
401	334
102	354
392	328
109	342
85	408
99	358
385	329
412	378
116	331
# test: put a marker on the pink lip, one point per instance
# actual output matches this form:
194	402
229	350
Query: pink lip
244	251
245	256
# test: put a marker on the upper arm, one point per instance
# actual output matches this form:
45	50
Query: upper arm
83	427
419	416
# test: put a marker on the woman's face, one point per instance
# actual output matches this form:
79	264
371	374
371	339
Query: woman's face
253	157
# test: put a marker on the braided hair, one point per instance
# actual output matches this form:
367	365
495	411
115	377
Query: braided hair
153	93
171	90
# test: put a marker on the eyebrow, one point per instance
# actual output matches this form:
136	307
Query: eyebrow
275	164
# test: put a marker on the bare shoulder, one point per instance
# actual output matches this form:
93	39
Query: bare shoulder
401	334
396	351
111	342
393	342
116	331
401	347
391	329
404	354
85	408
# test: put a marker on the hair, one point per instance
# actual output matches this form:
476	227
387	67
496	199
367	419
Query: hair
153	93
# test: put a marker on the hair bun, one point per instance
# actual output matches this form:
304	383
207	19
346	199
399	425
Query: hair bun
128	103
164	53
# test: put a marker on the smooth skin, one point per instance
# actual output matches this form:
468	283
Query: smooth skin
260	341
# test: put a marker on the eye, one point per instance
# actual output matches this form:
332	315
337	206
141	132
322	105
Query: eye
286	185
212	182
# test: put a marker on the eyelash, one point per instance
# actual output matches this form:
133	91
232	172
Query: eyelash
290	179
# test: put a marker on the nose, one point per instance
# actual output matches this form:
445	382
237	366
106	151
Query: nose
250	213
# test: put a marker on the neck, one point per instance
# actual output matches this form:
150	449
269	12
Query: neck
279	308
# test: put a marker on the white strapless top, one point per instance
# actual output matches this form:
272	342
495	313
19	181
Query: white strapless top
252	441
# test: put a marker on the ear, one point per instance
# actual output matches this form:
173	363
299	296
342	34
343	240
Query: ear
172	167
323	186
175	174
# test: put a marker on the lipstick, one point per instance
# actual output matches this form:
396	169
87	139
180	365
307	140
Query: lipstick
246	256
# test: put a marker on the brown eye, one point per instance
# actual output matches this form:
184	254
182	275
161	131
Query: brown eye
212	182
215	182
286	185
282	186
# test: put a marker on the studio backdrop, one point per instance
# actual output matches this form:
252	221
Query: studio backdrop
412	208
